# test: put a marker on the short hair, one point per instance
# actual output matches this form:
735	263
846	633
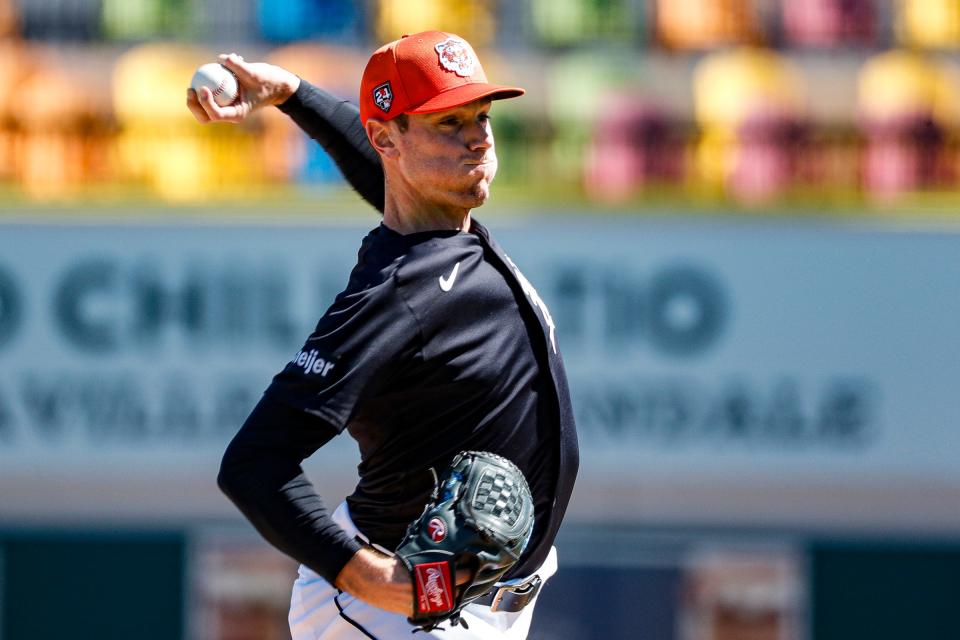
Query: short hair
403	122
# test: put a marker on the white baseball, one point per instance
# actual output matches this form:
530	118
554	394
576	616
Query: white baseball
220	80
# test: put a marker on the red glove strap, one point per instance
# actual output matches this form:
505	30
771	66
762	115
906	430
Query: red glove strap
434	587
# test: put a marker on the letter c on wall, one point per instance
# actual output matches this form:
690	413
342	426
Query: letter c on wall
11	307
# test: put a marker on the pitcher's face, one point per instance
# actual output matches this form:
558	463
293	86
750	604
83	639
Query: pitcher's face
449	156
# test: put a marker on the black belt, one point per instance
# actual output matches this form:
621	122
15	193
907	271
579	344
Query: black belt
511	597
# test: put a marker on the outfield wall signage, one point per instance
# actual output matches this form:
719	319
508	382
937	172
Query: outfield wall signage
730	374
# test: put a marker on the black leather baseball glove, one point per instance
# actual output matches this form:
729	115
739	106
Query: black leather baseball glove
480	517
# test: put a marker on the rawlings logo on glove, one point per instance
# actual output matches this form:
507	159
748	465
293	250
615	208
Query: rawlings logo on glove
434	587
480	518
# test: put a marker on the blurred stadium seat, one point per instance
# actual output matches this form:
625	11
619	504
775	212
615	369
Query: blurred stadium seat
475	20
146	19
291	20
635	145
908	105
575	95
830	23
573	22
928	23
15	66
749	104
770	152
62	133
704	24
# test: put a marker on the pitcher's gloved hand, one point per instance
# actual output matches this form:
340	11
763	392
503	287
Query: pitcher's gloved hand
480	517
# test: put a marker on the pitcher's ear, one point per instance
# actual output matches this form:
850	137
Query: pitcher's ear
382	136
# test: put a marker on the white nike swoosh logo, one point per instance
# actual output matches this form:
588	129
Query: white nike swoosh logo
447	283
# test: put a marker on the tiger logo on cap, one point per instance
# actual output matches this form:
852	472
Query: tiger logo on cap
456	55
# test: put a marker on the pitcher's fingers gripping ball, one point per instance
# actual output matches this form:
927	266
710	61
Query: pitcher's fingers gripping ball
480	518
221	82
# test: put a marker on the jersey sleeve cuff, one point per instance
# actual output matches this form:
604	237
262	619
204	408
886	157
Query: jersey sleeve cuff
308	98
295	102
336	558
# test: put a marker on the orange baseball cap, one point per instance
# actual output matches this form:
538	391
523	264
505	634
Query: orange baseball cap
425	73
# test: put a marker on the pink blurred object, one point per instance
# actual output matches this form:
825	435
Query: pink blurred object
769	156
828	23
634	145
904	153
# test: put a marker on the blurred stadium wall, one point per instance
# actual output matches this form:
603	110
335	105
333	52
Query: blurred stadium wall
741	213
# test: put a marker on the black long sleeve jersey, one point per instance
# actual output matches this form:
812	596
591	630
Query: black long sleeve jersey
437	344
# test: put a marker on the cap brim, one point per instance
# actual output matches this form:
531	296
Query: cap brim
465	94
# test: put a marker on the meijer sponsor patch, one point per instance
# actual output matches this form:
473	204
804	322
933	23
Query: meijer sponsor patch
313	362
